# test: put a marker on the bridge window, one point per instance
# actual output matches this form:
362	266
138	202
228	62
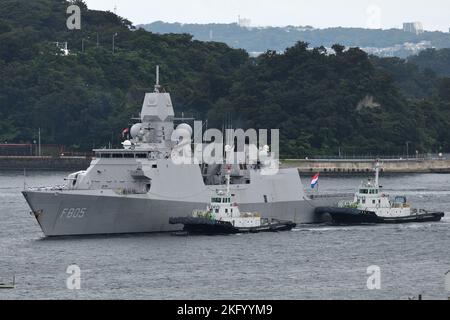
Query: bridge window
141	155
117	155
128	155
104	155
216	200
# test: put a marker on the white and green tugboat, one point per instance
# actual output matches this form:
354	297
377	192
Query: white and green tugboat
371	205
222	216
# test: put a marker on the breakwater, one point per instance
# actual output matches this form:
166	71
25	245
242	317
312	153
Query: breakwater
44	163
327	167
340	167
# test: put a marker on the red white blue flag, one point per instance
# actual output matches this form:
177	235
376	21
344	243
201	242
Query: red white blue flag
315	181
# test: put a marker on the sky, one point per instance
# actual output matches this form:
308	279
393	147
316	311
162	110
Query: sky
434	14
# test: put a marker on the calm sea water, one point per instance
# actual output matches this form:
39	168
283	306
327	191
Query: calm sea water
311	262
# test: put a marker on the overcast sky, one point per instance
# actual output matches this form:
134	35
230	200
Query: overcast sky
434	14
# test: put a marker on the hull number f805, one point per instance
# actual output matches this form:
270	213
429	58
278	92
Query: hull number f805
73	213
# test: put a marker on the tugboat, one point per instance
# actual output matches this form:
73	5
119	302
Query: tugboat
370	205
223	217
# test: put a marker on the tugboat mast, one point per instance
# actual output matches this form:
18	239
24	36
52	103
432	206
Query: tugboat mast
377	173
228	177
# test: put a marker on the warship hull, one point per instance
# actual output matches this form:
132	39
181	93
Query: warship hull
70	213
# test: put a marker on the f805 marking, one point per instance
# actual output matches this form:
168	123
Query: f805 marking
73	213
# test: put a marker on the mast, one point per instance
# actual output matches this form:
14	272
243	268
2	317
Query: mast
228	176
377	173
157	86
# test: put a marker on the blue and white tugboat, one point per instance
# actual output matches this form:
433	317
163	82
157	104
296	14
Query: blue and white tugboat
222	216
371	205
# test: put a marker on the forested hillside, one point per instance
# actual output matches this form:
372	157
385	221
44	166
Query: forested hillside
320	101
436	60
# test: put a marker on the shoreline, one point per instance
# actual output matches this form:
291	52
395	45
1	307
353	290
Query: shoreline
362	167
335	167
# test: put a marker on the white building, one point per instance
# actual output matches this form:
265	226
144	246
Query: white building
413	27
62	46
244	22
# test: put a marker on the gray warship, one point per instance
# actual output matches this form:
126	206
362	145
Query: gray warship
138	188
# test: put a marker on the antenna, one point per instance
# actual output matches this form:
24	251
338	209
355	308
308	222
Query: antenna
157	86
377	172
228	177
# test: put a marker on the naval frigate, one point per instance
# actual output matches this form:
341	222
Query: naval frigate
138	188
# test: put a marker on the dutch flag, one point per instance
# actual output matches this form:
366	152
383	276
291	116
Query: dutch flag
315	181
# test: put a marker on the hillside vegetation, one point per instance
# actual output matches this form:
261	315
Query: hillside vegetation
321	102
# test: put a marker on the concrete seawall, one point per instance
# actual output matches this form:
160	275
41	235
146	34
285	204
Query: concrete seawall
45	163
330	167
336	167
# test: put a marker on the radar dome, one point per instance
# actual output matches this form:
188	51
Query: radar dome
136	130
185	127
127	144
228	148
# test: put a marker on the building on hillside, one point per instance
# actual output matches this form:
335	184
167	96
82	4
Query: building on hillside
244	22
413	27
